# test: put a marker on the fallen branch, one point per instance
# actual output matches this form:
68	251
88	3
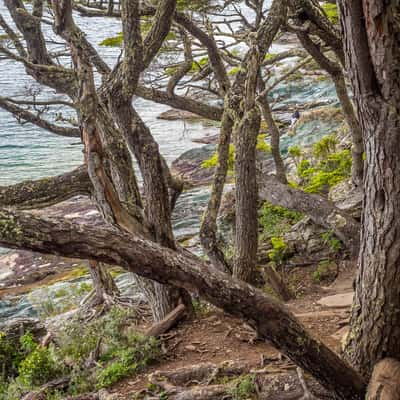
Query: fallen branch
168	322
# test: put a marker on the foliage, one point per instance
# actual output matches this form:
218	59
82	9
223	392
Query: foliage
327	167
38	367
294	152
279	250
325	146
123	351
326	269
332	241
331	12
244	388
276	220
213	160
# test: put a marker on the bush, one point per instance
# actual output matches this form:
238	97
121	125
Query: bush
276	220
244	388
279	250
38	367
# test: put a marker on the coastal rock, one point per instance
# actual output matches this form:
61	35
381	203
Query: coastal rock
208	139
347	198
174	115
188	166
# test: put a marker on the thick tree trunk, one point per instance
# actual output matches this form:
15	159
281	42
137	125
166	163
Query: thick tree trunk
272	320
373	55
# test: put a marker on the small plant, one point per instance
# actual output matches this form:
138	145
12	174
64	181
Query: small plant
326	269
325	146
276	220
332	241
331	12
244	388
279	250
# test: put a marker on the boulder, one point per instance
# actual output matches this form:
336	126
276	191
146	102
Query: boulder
341	300
188	166
174	115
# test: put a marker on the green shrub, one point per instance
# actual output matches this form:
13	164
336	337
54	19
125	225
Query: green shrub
279	250
325	146
332	241
244	388
38	367
276	220
331	12
326	269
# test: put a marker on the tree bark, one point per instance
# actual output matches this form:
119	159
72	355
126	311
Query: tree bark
272	320
275	137
372	54
208	228
47	191
103	283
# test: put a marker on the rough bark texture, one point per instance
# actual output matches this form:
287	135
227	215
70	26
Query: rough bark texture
272	320
275	137
47	191
322	211
385	381
209	229
103	283
372	35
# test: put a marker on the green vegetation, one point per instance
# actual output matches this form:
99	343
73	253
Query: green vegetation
276	220
331	12
244	388
326	168
332	241
326	270
122	352
279	250
213	160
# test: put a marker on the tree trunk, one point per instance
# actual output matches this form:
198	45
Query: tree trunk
373	56
103	283
275	138
357	149
246	227
208	229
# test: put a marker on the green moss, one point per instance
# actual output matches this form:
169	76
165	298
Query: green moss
9	228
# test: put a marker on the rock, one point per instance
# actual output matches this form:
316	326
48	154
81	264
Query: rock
173	115
347	198
342	300
188	165
208	139
341	333
190	347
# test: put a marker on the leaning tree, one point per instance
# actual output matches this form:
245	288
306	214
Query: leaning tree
137	240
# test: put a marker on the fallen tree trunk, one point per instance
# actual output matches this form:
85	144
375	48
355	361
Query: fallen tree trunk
321	211
272	320
385	381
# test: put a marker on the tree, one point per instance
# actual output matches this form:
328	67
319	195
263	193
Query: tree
371	32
